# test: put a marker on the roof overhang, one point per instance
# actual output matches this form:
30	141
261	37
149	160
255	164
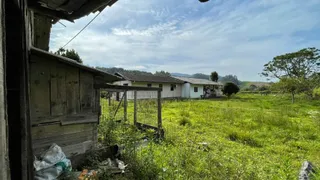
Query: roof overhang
104	75
68	9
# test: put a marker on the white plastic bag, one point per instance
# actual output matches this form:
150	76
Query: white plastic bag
52	164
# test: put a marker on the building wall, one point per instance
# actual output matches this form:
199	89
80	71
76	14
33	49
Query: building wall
196	94
64	106
166	90
186	90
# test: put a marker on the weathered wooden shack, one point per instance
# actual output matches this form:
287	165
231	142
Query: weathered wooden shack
64	105
26	23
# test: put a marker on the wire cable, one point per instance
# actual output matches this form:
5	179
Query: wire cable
82	29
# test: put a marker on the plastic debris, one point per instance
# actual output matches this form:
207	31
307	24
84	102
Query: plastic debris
305	170
51	164
88	175
116	166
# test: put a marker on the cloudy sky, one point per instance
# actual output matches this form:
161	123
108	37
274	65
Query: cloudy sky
228	36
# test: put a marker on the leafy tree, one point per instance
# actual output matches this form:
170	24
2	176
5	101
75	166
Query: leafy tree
230	78
300	64
162	73
290	85
214	76
200	76
111	70
297	71
72	54
230	88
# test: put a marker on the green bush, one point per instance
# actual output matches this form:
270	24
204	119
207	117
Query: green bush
230	88
316	93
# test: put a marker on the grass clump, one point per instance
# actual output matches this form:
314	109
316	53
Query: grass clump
185	121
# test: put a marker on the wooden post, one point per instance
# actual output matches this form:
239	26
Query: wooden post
125	105
159	112
4	156
109	98
135	109
17	85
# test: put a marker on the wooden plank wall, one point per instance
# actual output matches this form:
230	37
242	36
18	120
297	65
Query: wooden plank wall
63	106
86	92
58	90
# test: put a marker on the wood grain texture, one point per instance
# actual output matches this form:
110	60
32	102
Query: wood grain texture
58	95
72	90
86	92
39	89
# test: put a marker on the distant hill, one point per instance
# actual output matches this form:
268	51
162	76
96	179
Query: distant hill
180	75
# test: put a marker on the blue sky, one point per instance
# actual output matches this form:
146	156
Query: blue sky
228	36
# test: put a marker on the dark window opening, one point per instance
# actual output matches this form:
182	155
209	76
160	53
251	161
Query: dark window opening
160	86
126	84
173	86
195	89
149	85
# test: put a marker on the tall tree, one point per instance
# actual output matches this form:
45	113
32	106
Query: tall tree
71	54
296	71
200	76
162	73
230	78
214	76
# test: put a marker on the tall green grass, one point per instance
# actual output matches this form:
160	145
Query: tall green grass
247	137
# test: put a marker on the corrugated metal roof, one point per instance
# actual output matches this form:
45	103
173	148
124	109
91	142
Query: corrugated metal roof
48	55
198	81
68	9
149	78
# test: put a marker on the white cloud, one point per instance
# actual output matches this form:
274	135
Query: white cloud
231	37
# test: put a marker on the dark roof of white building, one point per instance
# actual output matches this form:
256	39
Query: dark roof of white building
148	78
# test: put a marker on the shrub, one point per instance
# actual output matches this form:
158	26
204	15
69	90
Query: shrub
230	88
316	93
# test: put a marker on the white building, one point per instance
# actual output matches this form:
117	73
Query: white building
171	87
198	88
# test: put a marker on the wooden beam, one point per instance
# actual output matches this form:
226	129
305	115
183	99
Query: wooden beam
115	113
91	6
4	156
48	12
17	80
125	105
135	109
159	111
127	88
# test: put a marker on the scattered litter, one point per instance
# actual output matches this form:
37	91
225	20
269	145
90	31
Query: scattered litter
115	167
88	175
51	164
305	170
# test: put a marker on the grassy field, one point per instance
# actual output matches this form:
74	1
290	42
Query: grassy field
246	137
